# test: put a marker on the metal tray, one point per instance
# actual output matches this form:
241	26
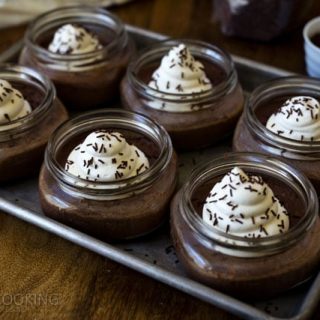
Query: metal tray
154	255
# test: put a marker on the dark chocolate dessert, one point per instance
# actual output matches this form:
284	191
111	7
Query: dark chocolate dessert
241	206
189	97
28	113
99	161
315	39
297	122
260	20
85	58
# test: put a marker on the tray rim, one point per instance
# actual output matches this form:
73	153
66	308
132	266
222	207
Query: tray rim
184	284
237	59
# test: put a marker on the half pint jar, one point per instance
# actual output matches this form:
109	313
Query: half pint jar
190	87
29	113
109	173
83	50
247	224
282	118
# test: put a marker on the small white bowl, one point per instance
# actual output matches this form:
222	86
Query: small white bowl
312	52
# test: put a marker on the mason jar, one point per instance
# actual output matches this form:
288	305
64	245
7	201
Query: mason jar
23	140
246	266
83	80
120	209
252	135
193	120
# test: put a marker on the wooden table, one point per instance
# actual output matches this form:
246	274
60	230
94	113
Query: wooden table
45	277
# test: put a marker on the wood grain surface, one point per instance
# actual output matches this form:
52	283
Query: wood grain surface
45	277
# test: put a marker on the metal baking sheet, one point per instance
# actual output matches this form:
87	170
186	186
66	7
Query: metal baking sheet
154	254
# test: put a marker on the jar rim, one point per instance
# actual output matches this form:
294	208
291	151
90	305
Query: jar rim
27	75
72	12
259	162
127	120
255	125
159	49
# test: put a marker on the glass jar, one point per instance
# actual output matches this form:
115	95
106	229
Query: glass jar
84	80
110	210
251	133
22	143
261	20
211	115
248	267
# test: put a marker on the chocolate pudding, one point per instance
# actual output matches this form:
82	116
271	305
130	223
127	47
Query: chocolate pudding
260	20
315	39
84	79
245	140
30	93
208	119
245	276
19	159
101	211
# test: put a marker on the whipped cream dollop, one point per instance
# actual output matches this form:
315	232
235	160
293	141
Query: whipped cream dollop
106	156
298	119
13	106
73	39
179	73
245	206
